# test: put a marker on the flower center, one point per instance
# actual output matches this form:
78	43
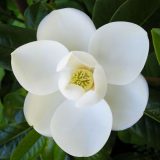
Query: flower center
83	77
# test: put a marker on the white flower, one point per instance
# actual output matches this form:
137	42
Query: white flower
74	94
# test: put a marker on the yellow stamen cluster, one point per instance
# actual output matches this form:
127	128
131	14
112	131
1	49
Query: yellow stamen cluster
83	77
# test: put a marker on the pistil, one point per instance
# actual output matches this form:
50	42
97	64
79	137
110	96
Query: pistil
83	77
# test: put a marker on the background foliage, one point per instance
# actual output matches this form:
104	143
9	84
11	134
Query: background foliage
18	22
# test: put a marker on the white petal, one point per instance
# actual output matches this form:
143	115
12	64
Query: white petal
69	26
81	132
122	49
34	65
72	92
77	59
127	102
68	90
38	111
89	98
100	81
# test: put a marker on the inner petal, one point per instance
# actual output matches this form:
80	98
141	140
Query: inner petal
82	78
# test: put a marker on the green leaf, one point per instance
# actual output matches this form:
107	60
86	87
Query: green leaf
35	13
89	5
3	120
59	154
153	108
7	148
10	137
68	4
136	11
47	153
15	99
30	146
145	132
13	103
53	151
138	156
11	38
103	11
156	42
152	71
12	131
151	68
2	74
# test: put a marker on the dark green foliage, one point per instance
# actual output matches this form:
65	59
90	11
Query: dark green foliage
18	141
10	38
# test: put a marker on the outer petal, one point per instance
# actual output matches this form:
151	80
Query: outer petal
127	102
122	49
68	26
38	111
81	132
34	65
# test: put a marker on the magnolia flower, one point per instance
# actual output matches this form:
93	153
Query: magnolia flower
82	82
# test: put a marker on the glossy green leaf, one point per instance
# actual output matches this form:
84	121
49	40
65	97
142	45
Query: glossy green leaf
3	120
138	156
2	74
35	13
89	5
48	151
145	132
68	4
13	103
151	69
68	157
10	136
30	146
15	99
59	154
156	42
10	38
53	151
153	21
103	11
136	11
153	108
12	131
7	148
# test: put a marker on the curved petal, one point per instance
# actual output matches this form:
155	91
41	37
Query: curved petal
100	81
77	59
34	65
38	111
127	102
69	26
72	92
89	98
122	49
81	132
